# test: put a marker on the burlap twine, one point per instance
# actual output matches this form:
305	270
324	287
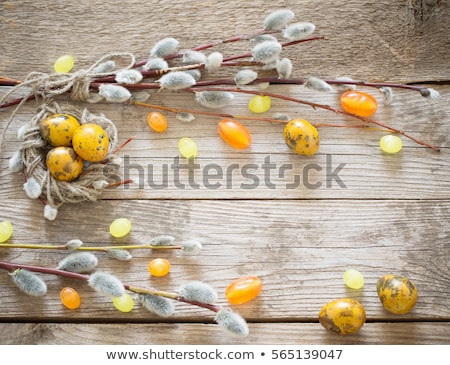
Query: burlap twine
33	148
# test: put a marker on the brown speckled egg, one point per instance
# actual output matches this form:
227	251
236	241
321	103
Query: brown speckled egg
397	294
343	316
64	164
58	129
302	137
91	142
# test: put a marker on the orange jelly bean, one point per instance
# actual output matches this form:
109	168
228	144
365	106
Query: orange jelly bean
70	298
157	122
234	133
243	290
359	103
159	267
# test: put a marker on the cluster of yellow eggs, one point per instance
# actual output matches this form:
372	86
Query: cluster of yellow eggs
71	144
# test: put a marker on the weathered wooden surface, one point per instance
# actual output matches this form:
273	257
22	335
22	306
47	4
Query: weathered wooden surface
379	214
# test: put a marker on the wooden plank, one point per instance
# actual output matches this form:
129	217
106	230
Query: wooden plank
418	333
380	40
348	164
300	250
392	217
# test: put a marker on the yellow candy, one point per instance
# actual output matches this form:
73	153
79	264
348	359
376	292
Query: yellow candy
353	279
64	64
6	231
391	144
187	147
120	227
259	104
125	303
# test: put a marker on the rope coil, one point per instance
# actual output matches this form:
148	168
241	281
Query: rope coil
33	148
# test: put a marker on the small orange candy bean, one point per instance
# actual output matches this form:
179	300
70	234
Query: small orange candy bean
159	267
243	290
234	133
70	298
359	103
157	122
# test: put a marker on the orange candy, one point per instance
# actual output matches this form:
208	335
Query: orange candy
234	133
243	290
70	298
159	267
157	122
359	103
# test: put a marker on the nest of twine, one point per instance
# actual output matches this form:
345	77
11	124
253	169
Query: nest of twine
95	177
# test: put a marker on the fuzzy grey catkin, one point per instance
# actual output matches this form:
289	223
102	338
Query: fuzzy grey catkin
161	306
198	291
185	117
430	93
15	162
156	63
121	255
128	77
245	77
114	93
345	86
388	94
262	38
232	322
74	244
315	83
162	240
266	52
277	19
190	57
79	262
297	31
32	188
281	116
106	284
29	283
100	184
164	47
214	99
176	80
21	132
214	61
50	213
191	246
105	67
196	74
284	68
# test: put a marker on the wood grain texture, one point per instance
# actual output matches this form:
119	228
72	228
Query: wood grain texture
300	250
418	333
382	41
296	222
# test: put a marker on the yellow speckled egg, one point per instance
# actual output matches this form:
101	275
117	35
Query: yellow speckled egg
64	164
344	316
90	142
397	294
58	129
302	137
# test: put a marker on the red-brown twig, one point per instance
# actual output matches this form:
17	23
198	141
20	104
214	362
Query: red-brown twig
318	106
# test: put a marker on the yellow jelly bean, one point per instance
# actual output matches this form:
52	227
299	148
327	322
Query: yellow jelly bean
187	147
64	64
